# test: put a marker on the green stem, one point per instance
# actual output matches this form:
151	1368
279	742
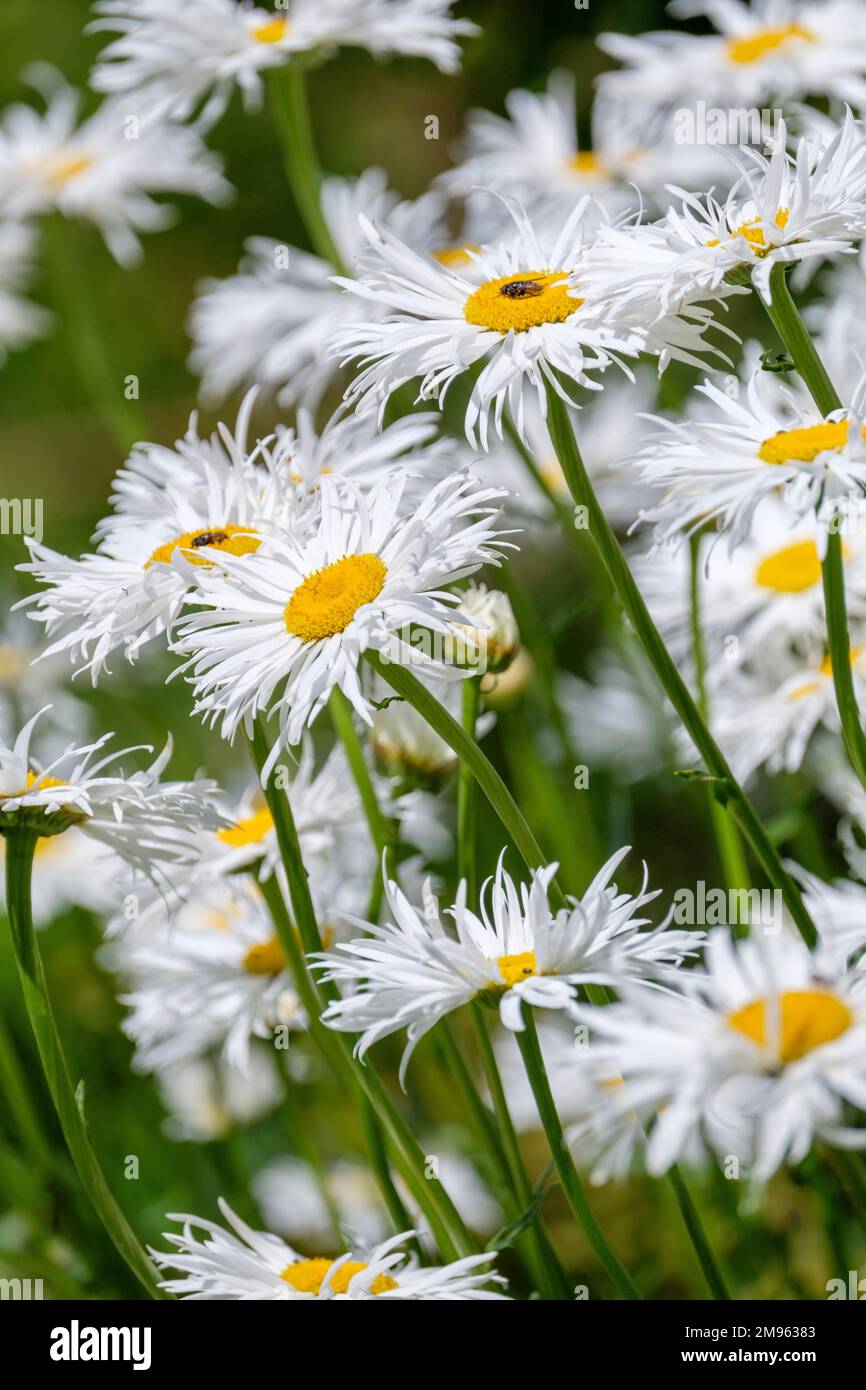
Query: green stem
840	653
381	829
704	1251
467	809
20	847
728	841
291	114
725	785
121	417
17	1096
535	1070
797	339
280	808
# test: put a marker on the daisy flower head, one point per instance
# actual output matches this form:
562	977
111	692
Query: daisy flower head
765	441
266	323
151	824
526	315
240	1263
282	628
517	950
763	49
176	512
107	169
20	321
210	975
69	870
784	208
759	1053
192	56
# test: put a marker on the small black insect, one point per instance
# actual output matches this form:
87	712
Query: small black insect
521	289
209	538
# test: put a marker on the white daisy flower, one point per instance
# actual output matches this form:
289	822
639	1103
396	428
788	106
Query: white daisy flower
199	52
20	321
783	209
105	169
246	1264
721	468
149	823
266	324
412	972
207	1099
533	154
305	608
210	975
526	321
759	1054
176	513
766	715
763	50
69	870
292	1203
768	592
838	909
838	323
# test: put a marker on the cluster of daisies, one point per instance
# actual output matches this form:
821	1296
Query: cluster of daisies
284	572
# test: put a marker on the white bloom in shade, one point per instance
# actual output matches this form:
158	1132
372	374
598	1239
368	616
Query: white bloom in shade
783	209
756	1056
528	319
533	154
69	870
766	592
293	1204
721	468
299	614
246	1264
211	975
766	716
838	322
207	1099
838	910
266	324
20	321
182	56
176	513
492	641
106	169
403	744
619	719
413	971
763	50
149	823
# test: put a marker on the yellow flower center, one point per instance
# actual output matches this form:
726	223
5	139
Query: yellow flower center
327	601
757	46
251	830
271	30
62	170
454	255
586	162
308	1276
233	540
753	232
265	958
521	301
791	569
804	445
803	1019
513	969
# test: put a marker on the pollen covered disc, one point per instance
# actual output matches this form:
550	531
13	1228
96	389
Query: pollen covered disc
327	601
790	570
803	1019
308	1276
524	300
232	540
754	47
804	445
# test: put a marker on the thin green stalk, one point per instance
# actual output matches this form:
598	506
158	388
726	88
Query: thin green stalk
840	655
121	417
381	829
556	1283
445	1221
20	847
561	1154
467	808
725	785
728	841
291	114
704	1251
22	1111
785	317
